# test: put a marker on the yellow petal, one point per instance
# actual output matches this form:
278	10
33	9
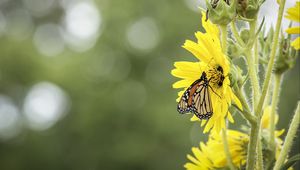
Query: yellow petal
207	42
265	120
197	50
201	157
182	83
194	118
203	122
236	101
230	118
190	166
208	125
296	43
217	125
194	67
293	12
185	74
180	94
293	30
209	26
279	132
194	160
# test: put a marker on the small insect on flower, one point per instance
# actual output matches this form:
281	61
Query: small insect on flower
196	99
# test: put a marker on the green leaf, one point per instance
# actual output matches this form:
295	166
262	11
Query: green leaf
291	162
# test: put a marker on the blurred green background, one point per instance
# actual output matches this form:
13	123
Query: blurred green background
87	84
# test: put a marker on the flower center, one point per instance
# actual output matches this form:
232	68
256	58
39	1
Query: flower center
216	76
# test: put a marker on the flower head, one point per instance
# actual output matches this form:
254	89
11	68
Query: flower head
248	8
294	15
216	65
205	157
221	12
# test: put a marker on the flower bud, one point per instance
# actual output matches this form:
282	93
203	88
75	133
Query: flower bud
221	12
248	8
286	58
245	35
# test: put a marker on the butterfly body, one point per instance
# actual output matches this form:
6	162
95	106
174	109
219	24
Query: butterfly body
196	99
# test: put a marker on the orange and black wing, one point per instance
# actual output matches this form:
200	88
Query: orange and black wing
196	99
186	100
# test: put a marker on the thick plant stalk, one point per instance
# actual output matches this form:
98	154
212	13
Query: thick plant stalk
256	56
289	139
258	109
253	77
251	157
260	162
251	65
275	99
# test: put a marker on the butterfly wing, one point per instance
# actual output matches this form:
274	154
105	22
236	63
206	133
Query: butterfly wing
202	102
196	99
185	103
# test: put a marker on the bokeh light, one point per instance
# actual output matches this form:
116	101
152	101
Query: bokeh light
44	105
48	40
143	34
82	24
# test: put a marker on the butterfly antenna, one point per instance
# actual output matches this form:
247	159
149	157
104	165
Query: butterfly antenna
214	91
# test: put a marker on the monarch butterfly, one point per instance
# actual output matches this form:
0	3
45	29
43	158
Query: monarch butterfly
196	99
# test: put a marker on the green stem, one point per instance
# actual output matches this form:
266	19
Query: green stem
246	110
256	57
224	38
260	162
252	64
226	149
251	157
289	139
275	98
236	34
253	77
269	94
258	109
255	128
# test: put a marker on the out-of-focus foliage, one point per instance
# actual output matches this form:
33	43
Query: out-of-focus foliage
87	84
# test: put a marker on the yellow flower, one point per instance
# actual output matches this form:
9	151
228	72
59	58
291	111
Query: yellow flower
212	156
216	65
293	14
265	123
